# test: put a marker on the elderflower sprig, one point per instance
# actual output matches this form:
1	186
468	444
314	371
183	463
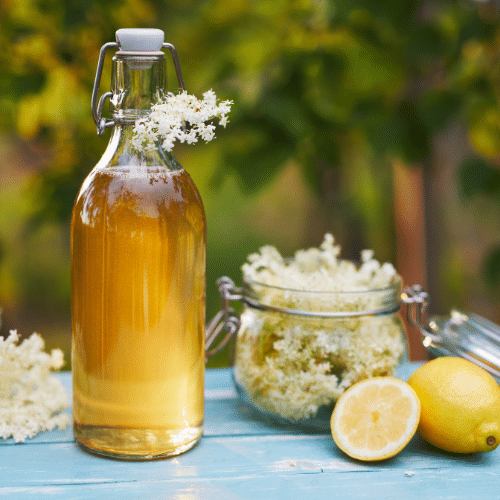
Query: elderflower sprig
31	399
168	119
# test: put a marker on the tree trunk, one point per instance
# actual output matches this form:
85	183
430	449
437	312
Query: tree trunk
409	213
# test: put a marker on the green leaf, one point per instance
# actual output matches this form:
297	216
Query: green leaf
326	143
322	155
313	174
3	251
414	145
284	113
426	42
477	177
484	131
437	108
29	83
258	168
56	194
491	268
476	28
384	132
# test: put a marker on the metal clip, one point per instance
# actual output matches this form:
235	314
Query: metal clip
97	107
101	123
417	301
177	65
227	318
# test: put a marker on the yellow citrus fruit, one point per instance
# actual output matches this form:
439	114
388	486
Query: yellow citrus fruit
375	418
460	405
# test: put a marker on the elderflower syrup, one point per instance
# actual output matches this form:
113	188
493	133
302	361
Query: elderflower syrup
138	239
312	326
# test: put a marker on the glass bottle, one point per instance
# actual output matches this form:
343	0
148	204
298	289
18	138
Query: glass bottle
138	246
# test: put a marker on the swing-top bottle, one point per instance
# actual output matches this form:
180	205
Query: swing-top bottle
138	239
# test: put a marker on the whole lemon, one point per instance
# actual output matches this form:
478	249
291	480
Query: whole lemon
460	405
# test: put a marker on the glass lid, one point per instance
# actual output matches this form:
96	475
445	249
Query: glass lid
469	336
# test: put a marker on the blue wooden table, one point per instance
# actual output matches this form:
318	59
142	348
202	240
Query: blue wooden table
241	457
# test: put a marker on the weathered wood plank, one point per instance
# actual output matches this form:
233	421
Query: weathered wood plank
222	457
434	483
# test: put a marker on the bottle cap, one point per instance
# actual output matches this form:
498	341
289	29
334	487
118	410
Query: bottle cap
140	39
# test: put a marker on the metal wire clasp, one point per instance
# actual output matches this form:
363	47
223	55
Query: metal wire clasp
417	301
98	105
227	318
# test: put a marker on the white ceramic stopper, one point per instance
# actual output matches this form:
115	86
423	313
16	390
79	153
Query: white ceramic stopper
140	39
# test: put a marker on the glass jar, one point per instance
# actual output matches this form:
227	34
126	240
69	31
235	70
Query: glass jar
298	351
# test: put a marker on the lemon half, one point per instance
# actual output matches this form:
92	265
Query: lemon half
375	418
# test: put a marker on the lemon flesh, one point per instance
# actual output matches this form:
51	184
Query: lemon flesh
460	405
375	418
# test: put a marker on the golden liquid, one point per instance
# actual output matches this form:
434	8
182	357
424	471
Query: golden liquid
138	312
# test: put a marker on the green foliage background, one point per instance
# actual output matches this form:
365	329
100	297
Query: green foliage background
328	94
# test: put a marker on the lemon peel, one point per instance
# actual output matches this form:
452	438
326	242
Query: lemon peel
460	405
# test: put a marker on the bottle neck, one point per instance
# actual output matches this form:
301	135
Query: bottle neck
138	81
121	153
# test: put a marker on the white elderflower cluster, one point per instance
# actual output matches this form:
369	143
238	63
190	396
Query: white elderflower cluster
319	269
168	119
31	399
293	365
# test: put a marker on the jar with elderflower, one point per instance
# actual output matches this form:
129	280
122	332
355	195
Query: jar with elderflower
311	327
